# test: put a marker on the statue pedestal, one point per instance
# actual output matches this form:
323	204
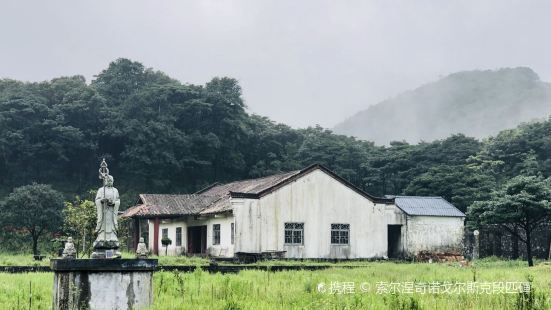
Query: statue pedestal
103	283
106	249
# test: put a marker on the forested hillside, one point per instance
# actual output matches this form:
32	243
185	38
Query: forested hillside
162	136
475	103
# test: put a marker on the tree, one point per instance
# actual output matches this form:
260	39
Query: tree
34	208
520	206
79	220
166	241
459	185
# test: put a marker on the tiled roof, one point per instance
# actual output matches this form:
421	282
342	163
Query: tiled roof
253	186
216	198
174	205
428	206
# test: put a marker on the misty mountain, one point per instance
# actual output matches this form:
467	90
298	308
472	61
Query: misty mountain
475	103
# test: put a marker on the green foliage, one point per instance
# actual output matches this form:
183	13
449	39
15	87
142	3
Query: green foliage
79	221
254	289
163	136
521	204
459	184
33	209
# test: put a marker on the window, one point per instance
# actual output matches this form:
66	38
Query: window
216	234
294	233
165	233
178	236
340	233
232	233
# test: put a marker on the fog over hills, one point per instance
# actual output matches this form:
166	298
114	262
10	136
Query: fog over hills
475	103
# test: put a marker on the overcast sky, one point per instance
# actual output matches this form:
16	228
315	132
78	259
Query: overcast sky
299	62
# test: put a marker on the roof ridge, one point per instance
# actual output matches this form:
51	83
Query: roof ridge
264	177
431	197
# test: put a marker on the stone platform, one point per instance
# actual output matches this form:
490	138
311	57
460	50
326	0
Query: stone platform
103	283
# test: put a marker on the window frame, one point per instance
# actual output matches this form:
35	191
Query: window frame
340	231
216	234
163	235
292	231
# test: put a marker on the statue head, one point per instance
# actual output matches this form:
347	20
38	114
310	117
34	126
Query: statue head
142	240
108	181
70	240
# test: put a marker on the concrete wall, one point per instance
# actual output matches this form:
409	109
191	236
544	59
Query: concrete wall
224	249
317	200
102	290
434	233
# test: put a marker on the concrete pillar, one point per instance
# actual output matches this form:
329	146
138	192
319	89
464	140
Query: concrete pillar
156	236
135	233
103	283
476	246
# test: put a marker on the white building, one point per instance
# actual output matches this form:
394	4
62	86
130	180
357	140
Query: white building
311	213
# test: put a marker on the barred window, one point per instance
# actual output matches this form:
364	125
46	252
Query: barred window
216	234
178	236
294	233
340	233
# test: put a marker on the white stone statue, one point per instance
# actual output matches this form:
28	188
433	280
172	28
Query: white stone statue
107	206
69	251
141	251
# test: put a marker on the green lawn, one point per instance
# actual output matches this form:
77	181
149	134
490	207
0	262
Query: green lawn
299	289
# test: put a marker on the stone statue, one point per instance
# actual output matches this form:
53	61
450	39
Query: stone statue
107	206
141	251
69	252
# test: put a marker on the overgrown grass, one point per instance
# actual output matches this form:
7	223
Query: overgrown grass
255	289
26	290
21	260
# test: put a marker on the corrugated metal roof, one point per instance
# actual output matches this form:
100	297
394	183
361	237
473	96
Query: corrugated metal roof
428	206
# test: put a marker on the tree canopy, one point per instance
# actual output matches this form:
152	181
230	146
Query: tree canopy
522	204
35	209
161	135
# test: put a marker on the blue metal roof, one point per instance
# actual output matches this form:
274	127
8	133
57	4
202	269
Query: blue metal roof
427	206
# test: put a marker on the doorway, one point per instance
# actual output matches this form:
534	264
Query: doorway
197	240
394	241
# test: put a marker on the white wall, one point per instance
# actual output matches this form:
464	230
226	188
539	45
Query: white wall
171	224
225	248
317	200
434	233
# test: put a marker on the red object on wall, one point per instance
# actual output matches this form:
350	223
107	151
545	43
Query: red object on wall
156	236
136	233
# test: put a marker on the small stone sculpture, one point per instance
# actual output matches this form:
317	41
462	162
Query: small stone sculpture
69	252
141	251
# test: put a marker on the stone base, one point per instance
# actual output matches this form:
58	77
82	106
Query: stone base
103	283
106	254
106	249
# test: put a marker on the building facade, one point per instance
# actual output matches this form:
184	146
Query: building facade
310	213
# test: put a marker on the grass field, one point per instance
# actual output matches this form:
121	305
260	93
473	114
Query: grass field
27	260
325	289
